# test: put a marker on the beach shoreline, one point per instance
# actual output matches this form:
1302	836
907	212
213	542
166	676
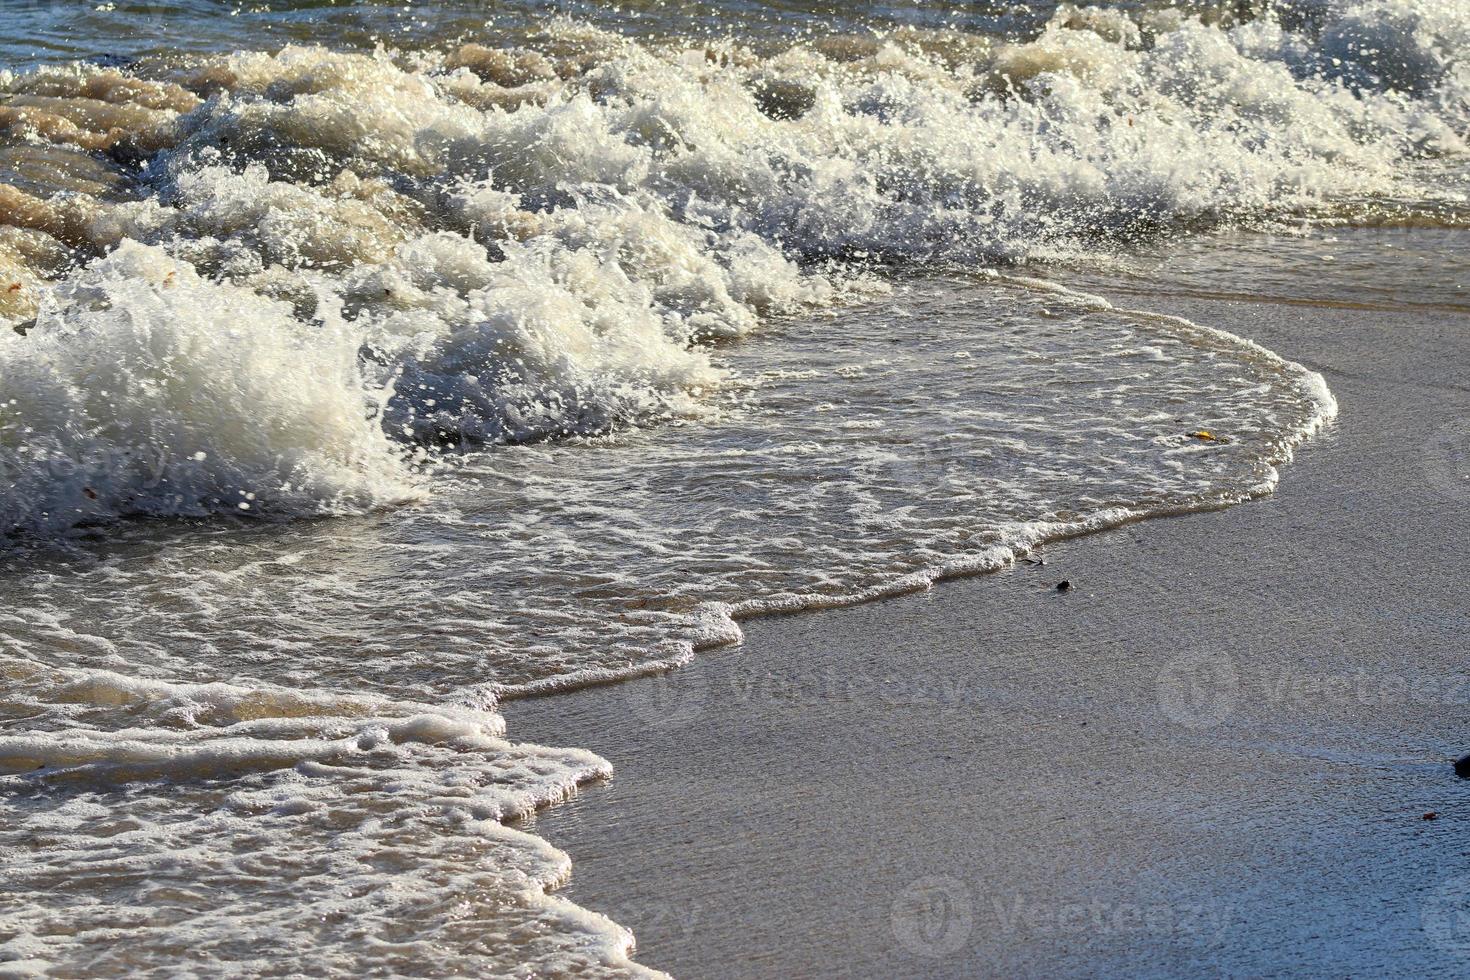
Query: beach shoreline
1214	752
423	423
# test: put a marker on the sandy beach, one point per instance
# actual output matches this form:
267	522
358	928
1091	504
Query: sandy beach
1216	753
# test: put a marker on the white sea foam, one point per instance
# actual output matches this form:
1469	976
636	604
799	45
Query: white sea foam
531	244
325	792
149	390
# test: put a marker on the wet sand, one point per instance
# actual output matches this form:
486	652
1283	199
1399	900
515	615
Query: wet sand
1213	754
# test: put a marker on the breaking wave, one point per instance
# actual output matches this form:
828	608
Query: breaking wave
256	283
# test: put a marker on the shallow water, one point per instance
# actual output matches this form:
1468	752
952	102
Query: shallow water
75	29
440	358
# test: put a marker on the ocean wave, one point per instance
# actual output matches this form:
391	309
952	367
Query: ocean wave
328	255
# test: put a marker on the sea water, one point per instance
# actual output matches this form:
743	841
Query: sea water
363	366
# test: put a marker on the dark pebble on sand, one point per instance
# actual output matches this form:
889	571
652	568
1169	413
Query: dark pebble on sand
1064	585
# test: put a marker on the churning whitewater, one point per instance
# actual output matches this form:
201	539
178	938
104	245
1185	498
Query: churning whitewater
503	245
587	343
